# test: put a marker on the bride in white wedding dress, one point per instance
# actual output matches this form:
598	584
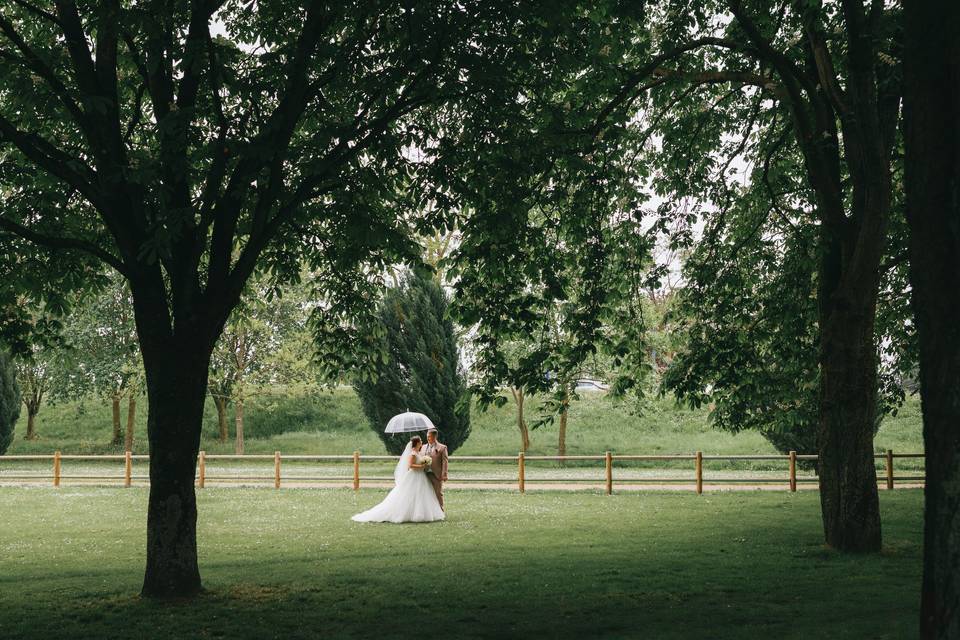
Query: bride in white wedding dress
413	498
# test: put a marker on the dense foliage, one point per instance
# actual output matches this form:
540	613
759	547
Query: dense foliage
420	370
746	321
189	160
564	143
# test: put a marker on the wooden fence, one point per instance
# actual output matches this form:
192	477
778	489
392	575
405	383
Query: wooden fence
521	479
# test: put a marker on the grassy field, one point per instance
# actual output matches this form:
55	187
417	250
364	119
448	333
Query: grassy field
290	564
332	422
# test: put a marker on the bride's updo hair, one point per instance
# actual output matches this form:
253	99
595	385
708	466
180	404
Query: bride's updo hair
415	441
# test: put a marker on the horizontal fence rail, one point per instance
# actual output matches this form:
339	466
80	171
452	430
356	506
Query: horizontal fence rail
353	477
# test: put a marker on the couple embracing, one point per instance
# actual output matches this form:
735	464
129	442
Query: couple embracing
418	493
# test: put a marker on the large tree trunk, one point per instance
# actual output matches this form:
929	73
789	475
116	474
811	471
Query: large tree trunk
131	416
221	403
176	363
848	479
238	413
932	181
115	404
848	396
176	345
851	180
176	389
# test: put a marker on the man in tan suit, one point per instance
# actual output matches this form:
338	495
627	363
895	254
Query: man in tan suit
438	468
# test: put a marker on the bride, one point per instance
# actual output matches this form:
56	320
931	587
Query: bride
413	498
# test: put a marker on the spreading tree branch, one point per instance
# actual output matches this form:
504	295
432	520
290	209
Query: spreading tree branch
37	11
59	242
740	78
638	76
774	148
34	63
58	163
83	66
275	135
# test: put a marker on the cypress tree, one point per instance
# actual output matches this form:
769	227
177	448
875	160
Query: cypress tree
421	371
9	401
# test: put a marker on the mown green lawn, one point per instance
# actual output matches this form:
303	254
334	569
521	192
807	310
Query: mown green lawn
290	564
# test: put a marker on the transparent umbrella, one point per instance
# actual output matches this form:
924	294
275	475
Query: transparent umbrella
408	422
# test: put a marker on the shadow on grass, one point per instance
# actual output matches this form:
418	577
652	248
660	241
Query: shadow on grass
584	596
291	565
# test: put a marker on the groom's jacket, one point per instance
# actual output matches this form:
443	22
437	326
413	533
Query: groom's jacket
439	454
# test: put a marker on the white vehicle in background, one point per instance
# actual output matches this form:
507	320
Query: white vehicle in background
589	384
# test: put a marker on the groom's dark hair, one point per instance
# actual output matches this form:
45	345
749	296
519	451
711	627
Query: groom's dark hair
415	440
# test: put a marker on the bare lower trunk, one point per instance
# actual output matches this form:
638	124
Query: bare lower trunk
31	425
176	389
131	416
238	420
518	396
562	436
115	405
172	568
847	475
221	403
849	502
932	182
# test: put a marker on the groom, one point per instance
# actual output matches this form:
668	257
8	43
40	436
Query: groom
438	468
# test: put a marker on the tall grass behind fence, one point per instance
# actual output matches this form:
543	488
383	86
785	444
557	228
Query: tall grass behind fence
607	470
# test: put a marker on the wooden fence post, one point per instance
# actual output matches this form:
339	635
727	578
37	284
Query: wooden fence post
699	472
356	470
890	469
276	469
127	469
609	473
203	469
521	472
793	471
56	469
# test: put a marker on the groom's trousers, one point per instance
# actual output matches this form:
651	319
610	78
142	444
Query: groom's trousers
437	487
